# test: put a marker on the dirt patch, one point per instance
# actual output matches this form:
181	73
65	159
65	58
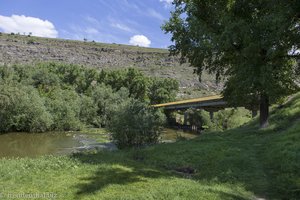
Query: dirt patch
186	170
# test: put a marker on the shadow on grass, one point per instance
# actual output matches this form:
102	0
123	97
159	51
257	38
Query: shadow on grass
116	175
123	168
113	169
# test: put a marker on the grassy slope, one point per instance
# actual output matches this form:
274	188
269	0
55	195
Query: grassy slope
244	163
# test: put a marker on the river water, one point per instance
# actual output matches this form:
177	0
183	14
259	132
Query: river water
61	143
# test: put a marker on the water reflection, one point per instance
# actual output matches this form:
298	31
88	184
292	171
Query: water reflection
60	143
32	145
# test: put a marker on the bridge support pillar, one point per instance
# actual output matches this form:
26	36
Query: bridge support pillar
254	113
211	115
185	119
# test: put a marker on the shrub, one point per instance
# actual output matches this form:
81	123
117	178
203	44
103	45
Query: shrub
135	124
88	110
222	120
200	118
44	80
64	105
30	41
22	109
162	90
106	101
231	118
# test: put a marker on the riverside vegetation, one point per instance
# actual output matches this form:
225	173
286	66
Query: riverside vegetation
64	97
241	163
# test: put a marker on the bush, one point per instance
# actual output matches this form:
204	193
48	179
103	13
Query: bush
230	118
135	124
88	110
64	106
162	90
44	80
222	120
106	101
200	118
30	41
22	109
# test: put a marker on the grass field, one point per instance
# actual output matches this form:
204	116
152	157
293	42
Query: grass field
244	163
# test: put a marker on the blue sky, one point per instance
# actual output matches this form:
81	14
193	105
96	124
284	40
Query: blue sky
135	22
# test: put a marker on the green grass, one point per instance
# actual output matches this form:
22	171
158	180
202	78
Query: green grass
244	163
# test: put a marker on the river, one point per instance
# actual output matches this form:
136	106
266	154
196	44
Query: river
61	143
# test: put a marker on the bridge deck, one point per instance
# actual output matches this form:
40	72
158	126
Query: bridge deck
190	101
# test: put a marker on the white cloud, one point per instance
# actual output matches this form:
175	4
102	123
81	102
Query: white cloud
155	14
92	20
91	31
77	32
166	1
23	24
140	40
122	27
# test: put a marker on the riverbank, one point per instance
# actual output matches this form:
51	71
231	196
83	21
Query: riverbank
243	163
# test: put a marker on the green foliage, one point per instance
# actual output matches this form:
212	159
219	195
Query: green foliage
222	120
22	109
69	97
132	79
88	110
155	90
64	106
162	90
75	76
43	79
249	43
135	124
199	118
230	118
107	101
30	41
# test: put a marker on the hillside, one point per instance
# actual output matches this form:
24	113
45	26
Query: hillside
151	61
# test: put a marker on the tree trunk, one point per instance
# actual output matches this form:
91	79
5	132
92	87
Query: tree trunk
264	110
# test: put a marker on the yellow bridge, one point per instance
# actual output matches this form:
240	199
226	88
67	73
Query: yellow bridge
209	103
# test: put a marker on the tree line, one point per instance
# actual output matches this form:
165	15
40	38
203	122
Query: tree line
53	96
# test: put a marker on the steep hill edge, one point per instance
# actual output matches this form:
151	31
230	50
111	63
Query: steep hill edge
18	49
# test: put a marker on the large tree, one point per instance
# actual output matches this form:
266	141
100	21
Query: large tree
251	44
